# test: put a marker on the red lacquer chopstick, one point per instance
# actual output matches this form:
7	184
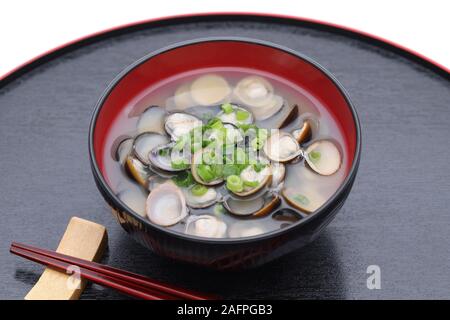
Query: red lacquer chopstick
123	281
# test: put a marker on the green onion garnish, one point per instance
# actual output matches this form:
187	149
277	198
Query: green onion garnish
242	115
314	156
258	166
235	184
301	199
163	152
230	170
227	108
184	179
199	190
205	172
217	170
251	184
214	123
219	209
179	164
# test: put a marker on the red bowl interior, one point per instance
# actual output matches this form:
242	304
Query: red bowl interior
225	53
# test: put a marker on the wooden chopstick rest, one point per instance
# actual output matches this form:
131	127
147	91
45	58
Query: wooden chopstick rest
83	239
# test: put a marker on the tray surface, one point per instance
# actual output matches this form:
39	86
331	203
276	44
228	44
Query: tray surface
397	215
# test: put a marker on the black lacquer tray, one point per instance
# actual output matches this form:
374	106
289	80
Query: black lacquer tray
396	217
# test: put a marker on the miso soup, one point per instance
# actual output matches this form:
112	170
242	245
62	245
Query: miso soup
225	153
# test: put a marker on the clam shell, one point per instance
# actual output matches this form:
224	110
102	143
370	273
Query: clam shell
246	228
138	171
255	206
205	226
197	202
145	142
196	160
166	205
249	174
281	147
178	124
163	160
209	90
330	158
304	198
231	117
151	120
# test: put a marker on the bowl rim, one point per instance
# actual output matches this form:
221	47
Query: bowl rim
347	183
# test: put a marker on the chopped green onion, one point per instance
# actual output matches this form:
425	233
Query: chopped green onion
235	184
163	152
217	170
230	170
206	142
214	123
258	166
301	199
205	172
245	127
251	184
179	164
199	190
242	115
219	209
227	108
314	156
184	179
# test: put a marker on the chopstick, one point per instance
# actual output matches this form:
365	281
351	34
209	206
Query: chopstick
126	282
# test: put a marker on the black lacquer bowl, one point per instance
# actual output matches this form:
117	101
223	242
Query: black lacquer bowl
219	52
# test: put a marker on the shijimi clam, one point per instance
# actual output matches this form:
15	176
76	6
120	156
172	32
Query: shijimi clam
233	134
209	90
282	147
167	158
179	124
323	157
123	149
200	196
258	95
205	226
166	205
152	120
154	181
204	173
138	171
146	142
182	98
304	133
281	119
303	198
134	199
235	114
226	156
246	228
254	180
278	174
252	206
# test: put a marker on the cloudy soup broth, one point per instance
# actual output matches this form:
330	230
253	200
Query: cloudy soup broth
225	153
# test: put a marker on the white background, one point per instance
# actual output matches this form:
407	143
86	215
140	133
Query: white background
29	28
